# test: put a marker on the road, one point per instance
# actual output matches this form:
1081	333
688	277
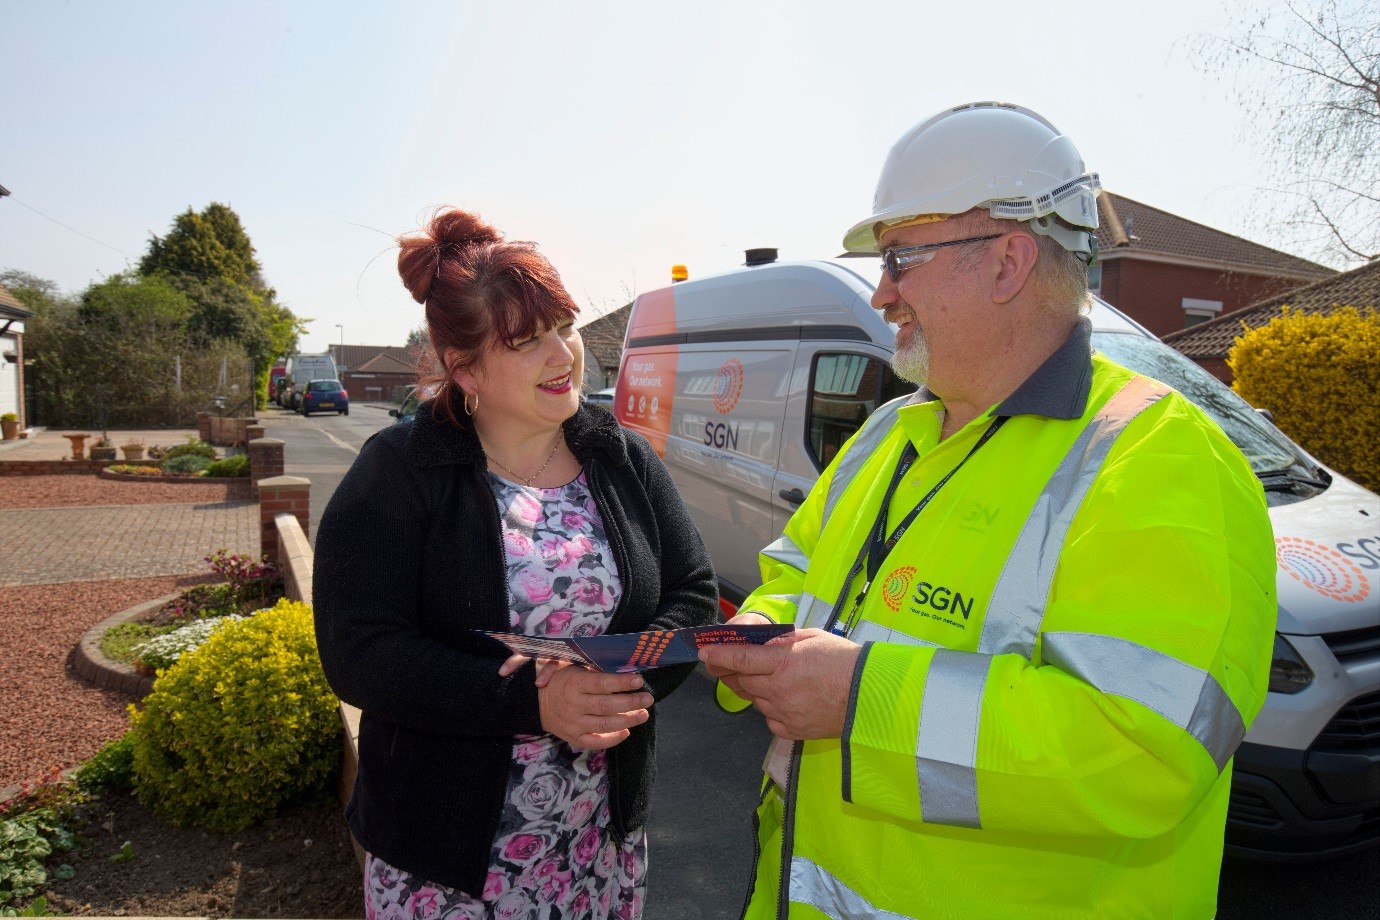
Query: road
700	827
322	447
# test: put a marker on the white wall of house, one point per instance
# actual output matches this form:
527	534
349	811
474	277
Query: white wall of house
9	373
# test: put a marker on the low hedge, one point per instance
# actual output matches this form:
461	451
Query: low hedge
240	727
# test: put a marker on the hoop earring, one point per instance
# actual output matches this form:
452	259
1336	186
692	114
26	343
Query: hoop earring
466	403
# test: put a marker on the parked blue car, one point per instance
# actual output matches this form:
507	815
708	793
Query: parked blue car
325	396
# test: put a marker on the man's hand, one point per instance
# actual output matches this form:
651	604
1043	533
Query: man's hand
591	709
798	681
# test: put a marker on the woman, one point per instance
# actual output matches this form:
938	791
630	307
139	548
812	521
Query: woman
484	788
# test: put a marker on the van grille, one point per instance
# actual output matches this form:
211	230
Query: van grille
1355	728
1354	644
1255	810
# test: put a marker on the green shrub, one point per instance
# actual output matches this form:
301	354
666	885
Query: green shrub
237	465
185	463
194	447
163	651
111	769
240	727
9	417
1318	375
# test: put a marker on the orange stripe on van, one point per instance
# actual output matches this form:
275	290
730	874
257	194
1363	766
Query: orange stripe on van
647	378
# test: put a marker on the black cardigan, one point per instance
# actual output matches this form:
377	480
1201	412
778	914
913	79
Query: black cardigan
408	561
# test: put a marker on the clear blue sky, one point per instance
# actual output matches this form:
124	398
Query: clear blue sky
621	136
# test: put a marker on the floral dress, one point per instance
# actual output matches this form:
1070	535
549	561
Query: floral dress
555	856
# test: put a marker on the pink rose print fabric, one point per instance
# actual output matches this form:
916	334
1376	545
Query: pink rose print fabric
555	856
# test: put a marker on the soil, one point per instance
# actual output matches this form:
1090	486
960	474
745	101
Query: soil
301	864
52	718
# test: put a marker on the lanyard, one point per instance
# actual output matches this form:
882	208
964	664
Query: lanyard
879	545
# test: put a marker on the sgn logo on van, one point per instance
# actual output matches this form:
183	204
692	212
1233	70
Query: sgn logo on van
1326	570
728	387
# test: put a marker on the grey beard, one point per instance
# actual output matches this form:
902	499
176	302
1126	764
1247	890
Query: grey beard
912	363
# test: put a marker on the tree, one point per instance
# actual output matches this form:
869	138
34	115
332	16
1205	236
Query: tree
207	246
208	255
16	282
110	357
418	338
1309	76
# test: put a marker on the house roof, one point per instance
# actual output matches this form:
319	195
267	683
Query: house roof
11	307
1359	287
385	363
1128	227
604	336
354	357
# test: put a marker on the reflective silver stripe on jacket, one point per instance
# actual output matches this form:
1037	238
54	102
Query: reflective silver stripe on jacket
865	443
1189	697
1018	600
866	631
946	739
814	885
811	611
784	551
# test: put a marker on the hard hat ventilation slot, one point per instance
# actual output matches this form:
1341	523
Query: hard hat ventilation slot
761	256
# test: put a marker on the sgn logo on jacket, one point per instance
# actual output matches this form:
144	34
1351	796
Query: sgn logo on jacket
925	599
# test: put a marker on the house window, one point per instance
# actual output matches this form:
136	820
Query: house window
1200	311
1095	279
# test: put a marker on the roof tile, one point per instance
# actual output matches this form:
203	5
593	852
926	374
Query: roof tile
1359	287
1130	226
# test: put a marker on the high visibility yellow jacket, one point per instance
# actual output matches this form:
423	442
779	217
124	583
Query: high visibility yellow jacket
1059	658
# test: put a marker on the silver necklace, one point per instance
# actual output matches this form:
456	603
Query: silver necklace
535	476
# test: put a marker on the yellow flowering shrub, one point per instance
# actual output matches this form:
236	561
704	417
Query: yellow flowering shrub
239	727
1319	376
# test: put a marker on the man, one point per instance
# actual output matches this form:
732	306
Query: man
1035	601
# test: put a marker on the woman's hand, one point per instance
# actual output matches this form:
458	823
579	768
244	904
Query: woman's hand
545	667
591	709
516	661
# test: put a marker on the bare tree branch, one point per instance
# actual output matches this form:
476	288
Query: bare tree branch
1337	234
1308	75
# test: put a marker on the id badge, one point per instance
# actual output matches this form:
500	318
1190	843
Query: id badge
777	763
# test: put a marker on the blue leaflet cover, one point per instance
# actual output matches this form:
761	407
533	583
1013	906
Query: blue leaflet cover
656	648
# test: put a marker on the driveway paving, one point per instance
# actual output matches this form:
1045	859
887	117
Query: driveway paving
57	545
53	545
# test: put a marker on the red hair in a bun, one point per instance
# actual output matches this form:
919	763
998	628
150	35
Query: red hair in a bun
478	289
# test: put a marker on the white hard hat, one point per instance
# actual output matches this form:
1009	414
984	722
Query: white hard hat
986	154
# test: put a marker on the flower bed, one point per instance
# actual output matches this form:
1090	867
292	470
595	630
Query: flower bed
157	636
240	488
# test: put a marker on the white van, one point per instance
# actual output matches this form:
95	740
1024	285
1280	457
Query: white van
302	370
748	382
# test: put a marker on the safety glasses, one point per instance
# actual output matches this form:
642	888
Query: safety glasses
896	261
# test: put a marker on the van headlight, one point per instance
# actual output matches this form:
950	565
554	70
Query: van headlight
1288	673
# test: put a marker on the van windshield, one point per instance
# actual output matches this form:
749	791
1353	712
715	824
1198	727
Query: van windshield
1265	447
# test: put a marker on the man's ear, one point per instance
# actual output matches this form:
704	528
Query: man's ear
1017	253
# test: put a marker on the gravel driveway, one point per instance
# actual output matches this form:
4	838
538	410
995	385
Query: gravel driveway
49	717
